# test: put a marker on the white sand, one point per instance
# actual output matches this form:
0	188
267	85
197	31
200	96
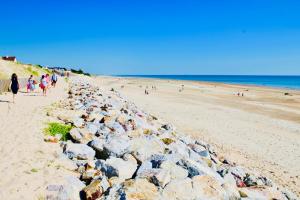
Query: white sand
260	130
27	163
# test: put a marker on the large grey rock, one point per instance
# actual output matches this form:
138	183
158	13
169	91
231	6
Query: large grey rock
161	178
195	168
70	189
180	149
179	189
98	145
81	135
206	187
117	167
79	151
144	147
136	189
78	122
146	170
93	128
117	146
175	171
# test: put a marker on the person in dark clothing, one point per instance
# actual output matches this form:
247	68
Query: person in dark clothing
14	86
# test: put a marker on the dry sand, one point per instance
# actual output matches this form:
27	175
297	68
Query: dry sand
260	130
27	163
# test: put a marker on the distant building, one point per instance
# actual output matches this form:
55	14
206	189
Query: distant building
9	58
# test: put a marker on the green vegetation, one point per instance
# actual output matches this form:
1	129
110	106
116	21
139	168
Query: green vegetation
55	128
80	71
167	141
34	170
31	71
47	71
39	66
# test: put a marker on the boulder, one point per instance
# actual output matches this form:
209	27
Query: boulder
90	174
81	135
176	172
161	178
144	147
146	170
117	167
98	145
195	168
139	189
70	189
79	151
206	187
179	189
93	128
117	146
93	191
78	122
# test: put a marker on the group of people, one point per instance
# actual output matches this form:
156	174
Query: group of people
45	83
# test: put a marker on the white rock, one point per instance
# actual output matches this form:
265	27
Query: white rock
206	187
179	189
117	167
71	189
79	151
117	146
144	147
176	172
78	122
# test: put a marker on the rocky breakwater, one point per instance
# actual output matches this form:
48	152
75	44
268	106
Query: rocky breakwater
121	152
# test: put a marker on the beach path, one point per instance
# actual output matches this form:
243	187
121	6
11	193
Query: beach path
26	161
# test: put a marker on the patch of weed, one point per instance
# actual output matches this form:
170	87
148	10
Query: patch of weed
34	170
58	128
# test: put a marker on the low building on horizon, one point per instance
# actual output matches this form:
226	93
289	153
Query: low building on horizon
9	58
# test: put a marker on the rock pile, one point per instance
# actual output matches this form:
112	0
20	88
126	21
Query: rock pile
122	152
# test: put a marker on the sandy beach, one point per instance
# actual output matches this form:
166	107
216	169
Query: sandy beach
260	130
27	163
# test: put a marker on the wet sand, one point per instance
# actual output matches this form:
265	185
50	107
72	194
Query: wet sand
260	130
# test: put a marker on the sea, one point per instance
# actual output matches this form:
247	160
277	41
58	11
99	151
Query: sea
289	82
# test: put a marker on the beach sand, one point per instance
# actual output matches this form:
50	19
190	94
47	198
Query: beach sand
27	163
260	130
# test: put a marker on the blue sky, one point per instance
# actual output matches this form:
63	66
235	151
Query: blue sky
155	36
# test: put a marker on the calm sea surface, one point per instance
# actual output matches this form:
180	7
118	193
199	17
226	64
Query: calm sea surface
291	82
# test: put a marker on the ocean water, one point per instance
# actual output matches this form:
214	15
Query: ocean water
290	82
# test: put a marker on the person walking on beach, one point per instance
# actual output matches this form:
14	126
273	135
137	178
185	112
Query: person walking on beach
43	85
30	84
14	86
53	79
48	80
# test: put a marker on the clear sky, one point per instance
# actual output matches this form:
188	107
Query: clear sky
155	36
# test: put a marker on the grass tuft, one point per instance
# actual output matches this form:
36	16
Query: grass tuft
34	170
31	71
55	128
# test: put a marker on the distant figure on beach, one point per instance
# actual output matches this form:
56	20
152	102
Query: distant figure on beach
14	86
30	84
182	88
48	80
53	80
44	85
